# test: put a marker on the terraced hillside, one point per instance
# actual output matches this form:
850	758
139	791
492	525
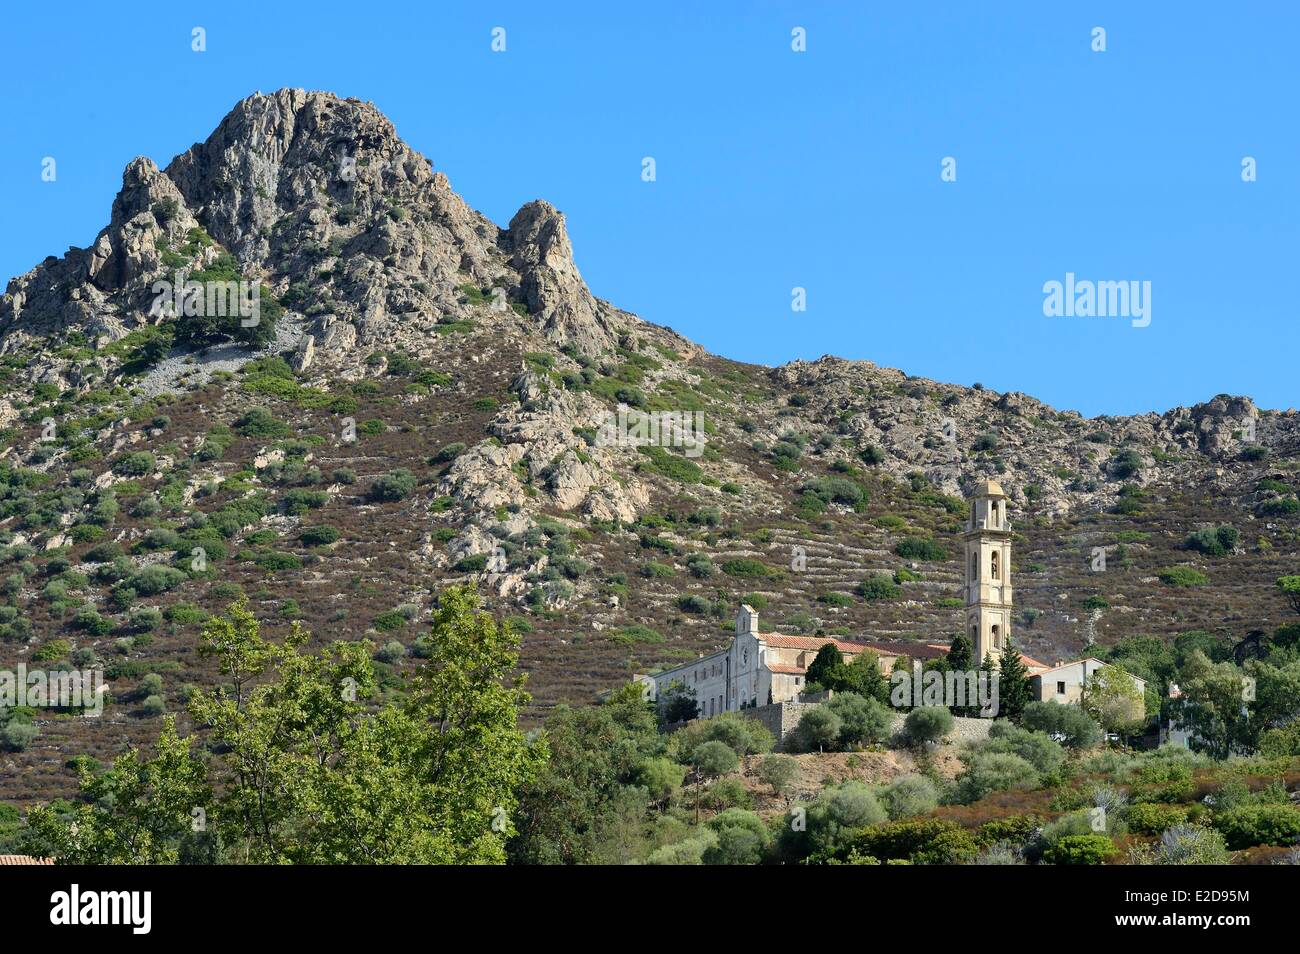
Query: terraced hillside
422	405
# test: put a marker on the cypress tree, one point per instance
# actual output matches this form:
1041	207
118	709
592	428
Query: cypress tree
1014	690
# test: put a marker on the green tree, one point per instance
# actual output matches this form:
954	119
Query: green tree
309	774
1113	698
827	669
1077	729
742	838
1212	705
714	758
571	811
660	777
988	772
863	676
1014	689
138	812
778	771
862	720
677	704
960	653
818	730
928	723
1290	587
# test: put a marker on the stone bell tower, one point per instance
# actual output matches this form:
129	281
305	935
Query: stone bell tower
988	572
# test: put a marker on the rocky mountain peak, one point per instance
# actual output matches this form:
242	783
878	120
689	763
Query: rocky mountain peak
317	197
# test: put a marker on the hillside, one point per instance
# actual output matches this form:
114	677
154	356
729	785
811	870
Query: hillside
421	402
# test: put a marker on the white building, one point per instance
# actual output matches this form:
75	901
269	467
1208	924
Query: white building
757	669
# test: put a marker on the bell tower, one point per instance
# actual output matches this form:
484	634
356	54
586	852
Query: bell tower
988	572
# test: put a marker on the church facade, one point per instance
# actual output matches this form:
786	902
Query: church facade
758	669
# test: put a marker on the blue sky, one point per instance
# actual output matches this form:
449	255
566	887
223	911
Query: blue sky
775	169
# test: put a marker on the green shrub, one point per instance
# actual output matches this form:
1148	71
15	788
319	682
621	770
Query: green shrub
274	560
258	422
1186	845
879	587
135	464
1091	849
1213	541
1281	507
1183	576
1077	728
921	548
928	723
89	620
919	841
747	567
448	453
1034	747
836	490
1153	818
1126	464
676	467
16	735
103	552
1245	826
52	651
318	536
989	772
909	795
391	652
155	579
397	485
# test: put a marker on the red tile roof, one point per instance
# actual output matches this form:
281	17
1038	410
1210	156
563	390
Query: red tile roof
915	650
24	860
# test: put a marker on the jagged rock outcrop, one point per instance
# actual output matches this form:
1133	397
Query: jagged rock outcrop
541	253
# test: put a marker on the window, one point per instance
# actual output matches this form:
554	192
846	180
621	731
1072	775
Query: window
993	565
1060	688
974	567
997	636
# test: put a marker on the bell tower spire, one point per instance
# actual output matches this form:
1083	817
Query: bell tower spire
988	571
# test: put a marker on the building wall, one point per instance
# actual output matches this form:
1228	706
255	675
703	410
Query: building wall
707	676
1072	679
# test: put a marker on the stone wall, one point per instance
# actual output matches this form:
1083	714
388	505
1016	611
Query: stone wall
782	718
